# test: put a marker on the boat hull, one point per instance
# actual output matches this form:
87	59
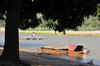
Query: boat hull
50	51
78	52
60	50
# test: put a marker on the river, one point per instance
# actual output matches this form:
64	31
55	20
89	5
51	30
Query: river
90	42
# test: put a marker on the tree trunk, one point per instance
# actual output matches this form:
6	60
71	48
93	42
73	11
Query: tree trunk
11	47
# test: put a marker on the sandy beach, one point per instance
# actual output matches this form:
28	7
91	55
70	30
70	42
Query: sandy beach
35	59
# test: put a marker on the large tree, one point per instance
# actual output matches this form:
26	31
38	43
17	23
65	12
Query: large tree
68	13
11	46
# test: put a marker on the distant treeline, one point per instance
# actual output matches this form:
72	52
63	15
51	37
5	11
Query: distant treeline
90	24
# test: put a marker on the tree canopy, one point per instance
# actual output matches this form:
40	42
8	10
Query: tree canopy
69	13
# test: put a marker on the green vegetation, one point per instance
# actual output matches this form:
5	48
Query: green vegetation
52	33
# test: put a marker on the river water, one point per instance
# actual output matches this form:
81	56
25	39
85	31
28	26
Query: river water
90	42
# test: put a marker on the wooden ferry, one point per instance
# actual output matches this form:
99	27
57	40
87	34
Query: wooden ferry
53	49
77	49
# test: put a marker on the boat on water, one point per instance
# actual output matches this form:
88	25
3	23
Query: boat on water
77	49
53	49
32	37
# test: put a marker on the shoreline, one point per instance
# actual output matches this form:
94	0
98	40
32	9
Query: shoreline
35	59
22	31
68	33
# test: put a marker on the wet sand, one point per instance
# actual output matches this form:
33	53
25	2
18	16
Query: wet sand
37	59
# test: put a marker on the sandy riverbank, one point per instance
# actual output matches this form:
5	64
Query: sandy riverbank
93	32
35	59
97	32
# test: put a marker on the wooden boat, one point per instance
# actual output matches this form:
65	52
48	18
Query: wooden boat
33	38
76	49
38	38
53	49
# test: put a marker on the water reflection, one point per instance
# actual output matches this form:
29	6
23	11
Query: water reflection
78	57
30	46
75	57
72	56
2	43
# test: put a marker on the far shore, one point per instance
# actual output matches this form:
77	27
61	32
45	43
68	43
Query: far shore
96	32
79	33
72	33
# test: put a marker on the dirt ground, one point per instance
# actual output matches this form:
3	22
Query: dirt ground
37	59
